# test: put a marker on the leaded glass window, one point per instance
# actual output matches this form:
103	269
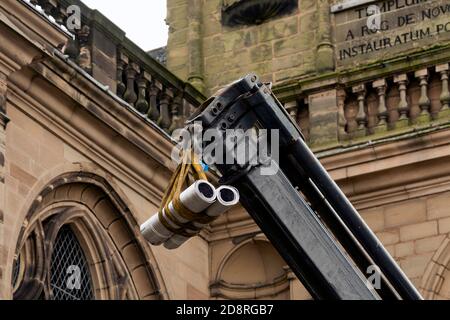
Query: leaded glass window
70	278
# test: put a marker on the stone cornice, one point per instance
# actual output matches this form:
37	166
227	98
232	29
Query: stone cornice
104	105
133	150
349	77
362	172
36	27
135	147
418	143
16	48
362	175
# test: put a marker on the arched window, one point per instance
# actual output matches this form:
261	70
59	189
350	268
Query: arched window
78	244
66	276
70	277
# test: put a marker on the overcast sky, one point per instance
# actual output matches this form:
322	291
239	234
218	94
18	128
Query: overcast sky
142	20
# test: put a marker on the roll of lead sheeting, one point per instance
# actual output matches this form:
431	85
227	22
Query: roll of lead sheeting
227	197
198	196
196	199
154	231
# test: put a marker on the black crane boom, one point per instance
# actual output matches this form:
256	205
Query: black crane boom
297	205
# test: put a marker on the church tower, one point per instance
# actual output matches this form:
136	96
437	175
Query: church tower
211	43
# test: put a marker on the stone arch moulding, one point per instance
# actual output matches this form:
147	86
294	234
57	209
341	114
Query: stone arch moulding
84	198
436	279
266	284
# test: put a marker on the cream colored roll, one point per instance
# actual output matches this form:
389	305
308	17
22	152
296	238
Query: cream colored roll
196	199
154	231
198	196
227	197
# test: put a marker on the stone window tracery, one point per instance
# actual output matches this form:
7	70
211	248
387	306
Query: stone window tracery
78	242
52	265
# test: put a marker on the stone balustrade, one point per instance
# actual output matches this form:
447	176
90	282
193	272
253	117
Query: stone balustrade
102	49
160	102
298	110
340	108
71	21
398	101
342	111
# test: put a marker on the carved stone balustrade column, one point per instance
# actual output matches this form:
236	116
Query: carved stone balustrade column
424	100
403	105
380	86
142	104
84	59
361	118
121	67
153	94
60	16
176	111
292	108
48	6
443	70
164	120
130	95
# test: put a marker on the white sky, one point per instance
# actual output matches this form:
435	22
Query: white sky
142	20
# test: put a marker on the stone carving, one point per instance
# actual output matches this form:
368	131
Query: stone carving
253	12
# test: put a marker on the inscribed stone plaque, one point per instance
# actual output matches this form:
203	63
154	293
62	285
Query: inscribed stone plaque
379	30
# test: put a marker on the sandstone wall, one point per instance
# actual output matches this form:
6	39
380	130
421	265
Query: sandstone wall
278	50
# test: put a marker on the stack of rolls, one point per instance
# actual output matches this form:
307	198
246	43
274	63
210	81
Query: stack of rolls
185	216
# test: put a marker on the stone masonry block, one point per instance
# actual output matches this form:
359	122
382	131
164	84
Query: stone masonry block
404	249
405	213
438	207
444	226
419	231
428	244
389	237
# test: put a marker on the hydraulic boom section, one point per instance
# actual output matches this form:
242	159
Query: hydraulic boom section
294	201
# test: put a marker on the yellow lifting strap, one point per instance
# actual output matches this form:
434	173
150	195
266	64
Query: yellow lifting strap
172	194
